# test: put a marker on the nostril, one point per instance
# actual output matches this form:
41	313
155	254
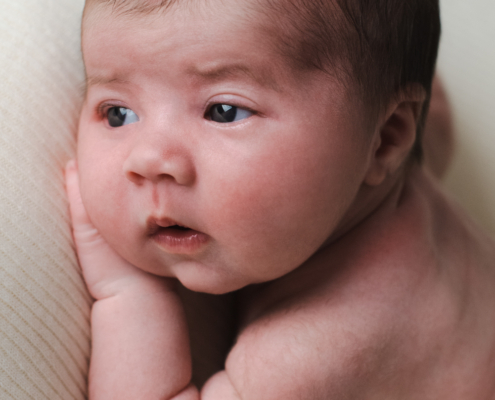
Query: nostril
134	177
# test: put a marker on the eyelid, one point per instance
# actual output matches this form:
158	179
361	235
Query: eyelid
229	103
103	108
232	99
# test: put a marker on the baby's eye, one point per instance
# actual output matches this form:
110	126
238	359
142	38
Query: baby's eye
225	113
120	116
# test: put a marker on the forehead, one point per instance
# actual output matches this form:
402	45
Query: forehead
217	40
156	13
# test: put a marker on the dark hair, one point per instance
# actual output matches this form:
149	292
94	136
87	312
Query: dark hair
383	46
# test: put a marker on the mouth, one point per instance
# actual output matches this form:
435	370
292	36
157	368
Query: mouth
175	238
156	225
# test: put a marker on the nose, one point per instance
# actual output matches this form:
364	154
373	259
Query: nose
154	162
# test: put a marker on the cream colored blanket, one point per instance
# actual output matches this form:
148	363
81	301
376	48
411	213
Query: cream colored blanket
44	307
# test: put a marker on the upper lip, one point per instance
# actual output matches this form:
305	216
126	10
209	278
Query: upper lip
155	223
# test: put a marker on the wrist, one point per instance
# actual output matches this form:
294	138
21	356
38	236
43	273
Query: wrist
133	285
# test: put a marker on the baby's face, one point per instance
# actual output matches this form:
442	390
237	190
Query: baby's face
191	120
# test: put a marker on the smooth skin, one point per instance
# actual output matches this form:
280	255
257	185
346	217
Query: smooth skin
361	279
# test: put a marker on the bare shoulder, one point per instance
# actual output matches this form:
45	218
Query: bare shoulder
297	353
396	311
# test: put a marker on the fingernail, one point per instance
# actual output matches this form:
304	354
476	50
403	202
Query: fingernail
71	164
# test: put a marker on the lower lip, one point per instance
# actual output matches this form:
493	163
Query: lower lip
177	241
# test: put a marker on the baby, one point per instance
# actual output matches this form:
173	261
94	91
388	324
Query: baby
272	147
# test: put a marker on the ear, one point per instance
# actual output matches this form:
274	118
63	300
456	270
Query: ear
395	135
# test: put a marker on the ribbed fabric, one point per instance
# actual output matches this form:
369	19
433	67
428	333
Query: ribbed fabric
44	307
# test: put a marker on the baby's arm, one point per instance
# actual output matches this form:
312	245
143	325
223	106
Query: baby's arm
140	347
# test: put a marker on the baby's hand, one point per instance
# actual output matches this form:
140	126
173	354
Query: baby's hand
104	271
140	344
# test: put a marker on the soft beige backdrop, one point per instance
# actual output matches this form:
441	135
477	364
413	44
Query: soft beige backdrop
467	64
44	308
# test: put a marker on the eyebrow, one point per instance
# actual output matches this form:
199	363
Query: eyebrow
212	74
102	80
223	72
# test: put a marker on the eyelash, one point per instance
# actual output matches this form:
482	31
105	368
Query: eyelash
102	109
233	104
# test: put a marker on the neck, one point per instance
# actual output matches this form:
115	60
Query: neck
370	200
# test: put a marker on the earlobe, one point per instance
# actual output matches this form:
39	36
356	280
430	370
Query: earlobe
394	138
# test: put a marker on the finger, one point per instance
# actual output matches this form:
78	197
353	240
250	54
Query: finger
78	212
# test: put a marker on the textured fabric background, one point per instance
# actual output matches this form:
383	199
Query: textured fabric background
44	308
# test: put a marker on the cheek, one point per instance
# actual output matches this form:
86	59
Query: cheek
293	175
281	204
101	186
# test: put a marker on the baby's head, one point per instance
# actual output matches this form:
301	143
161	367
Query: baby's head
224	142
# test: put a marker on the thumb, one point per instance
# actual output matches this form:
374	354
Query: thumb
83	229
77	211
85	235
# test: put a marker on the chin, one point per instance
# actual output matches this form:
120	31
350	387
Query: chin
210	287
199	278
